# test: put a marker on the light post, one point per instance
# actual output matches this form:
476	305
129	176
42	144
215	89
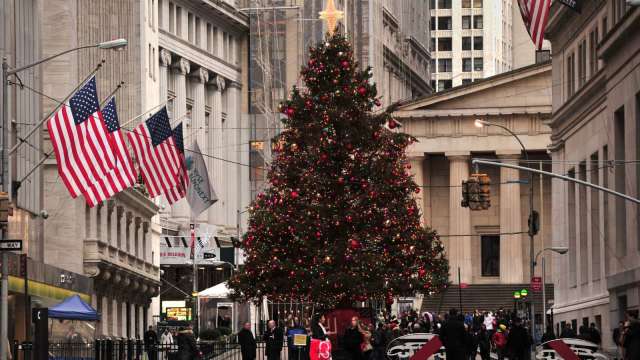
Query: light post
557	249
481	123
6	72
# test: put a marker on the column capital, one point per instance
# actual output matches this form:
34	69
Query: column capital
234	84
458	155
165	57
201	74
183	66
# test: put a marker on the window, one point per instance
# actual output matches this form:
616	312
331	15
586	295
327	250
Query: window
466	22
570	78
444	4
190	27
151	61
466	3
444	65
444	23
209	35
172	18
620	181
198	32
433	85
638	165
466	64
582	62
151	4
477	3
477	43
178	21
466	43
161	23
477	22
466	81
604	26
490	253
582	216
477	64
433	23
444	84
444	44
593	52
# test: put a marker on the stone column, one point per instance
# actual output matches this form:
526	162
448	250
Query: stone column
198	127
121	228
180	210
106	315
129	233
417	170
232	150
215	212
110	222
459	250
165	63
132	320
141	315
92	224
511	260
116	319
138	238
146	253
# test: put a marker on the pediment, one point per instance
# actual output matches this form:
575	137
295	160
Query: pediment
527	88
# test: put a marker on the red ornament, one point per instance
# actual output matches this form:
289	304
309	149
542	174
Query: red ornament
290	111
377	102
354	244
349	218
362	90
422	272
294	194
392	124
417	190
341	180
345	64
308	104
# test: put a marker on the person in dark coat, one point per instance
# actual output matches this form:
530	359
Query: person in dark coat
187	347
568	332
595	334
631	338
484	342
151	343
518	342
452	335
273	338
548	335
352	339
247	342
379	343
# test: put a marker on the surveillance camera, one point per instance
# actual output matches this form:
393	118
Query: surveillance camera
44	214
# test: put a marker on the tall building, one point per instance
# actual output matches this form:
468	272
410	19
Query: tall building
391	36
596	138
475	39
189	55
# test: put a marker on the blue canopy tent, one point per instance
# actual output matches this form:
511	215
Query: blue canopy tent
73	308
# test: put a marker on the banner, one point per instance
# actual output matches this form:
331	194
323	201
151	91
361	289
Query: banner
574	5
200	194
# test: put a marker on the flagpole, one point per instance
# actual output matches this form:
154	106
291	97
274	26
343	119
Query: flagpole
41	122
147	111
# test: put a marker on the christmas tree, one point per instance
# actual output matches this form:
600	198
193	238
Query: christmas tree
338	223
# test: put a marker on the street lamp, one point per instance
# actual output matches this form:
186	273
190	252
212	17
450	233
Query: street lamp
557	249
117	44
481	123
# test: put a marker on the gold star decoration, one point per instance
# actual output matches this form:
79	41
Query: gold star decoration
331	15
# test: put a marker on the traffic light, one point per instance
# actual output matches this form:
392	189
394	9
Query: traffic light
476	192
6	209
484	183
534	223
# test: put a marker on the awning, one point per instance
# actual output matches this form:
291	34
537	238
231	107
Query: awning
73	308
220	291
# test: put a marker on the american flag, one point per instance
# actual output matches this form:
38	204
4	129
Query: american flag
122	176
80	141
180	190
535	14
157	155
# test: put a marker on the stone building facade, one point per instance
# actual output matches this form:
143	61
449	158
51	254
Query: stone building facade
596	138
489	246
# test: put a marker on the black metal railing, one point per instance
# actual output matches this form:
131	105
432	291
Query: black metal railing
126	349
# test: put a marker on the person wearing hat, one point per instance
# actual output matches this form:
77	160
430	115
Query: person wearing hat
499	340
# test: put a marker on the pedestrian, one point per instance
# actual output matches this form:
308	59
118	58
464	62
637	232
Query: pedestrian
452	335
379	343
366	346
519	341
499	340
273	338
320	347
166	340
548	335
595	334
187	347
247	342
352	339
151	343
631	337
617	338
470	343
484	342
567	332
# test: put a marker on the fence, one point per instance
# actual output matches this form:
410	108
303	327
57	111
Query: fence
124	349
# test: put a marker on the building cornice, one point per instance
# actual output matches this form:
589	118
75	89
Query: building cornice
493	111
556	20
227	11
582	102
144	205
619	35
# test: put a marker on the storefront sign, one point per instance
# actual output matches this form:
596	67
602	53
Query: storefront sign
10	245
179	314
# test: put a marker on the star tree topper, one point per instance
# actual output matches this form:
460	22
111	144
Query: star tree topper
331	15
